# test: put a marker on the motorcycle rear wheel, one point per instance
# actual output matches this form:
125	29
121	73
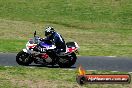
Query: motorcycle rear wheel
23	58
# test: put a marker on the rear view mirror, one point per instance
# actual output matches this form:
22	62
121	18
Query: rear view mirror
34	33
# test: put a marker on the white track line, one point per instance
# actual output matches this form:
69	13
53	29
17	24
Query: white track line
71	69
110	56
114	71
8	66
130	72
91	70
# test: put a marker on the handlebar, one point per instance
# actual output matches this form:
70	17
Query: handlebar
34	33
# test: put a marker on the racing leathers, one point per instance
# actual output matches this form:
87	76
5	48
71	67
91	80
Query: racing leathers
58	41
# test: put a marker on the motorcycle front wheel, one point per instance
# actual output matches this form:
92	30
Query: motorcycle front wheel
23	58
67	61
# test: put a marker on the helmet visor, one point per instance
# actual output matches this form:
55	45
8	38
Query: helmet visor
47	33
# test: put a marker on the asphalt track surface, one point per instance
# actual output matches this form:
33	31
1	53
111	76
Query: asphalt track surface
89	63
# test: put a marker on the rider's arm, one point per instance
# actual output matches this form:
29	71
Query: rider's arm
44	39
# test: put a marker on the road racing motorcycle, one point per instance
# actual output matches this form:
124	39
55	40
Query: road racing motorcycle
43	53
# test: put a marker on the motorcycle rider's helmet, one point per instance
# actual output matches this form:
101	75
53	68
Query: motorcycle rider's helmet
49	31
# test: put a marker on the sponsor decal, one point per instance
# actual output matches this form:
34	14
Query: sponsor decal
83	78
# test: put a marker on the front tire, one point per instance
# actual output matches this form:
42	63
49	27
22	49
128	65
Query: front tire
67	61
23	58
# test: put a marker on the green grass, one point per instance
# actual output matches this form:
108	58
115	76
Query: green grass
16	77
102	40
7	45
67	11
101	27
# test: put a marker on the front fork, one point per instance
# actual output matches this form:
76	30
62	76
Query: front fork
30	54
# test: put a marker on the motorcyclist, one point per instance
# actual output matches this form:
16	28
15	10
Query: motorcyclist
56	39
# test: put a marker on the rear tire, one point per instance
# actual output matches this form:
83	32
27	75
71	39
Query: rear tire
67	61
23	58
